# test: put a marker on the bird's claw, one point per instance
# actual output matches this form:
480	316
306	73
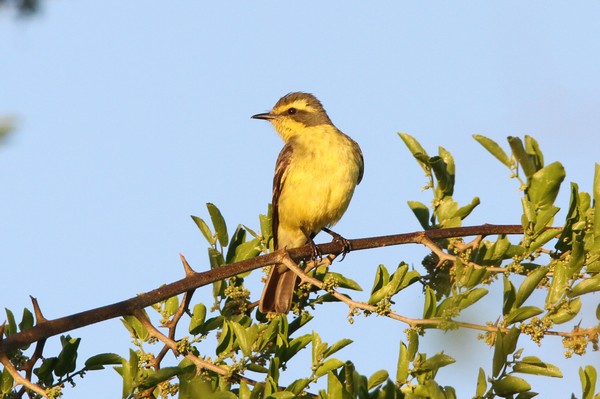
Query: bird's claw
346	246
316	254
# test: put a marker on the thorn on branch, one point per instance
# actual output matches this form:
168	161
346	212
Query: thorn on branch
39	317
186	266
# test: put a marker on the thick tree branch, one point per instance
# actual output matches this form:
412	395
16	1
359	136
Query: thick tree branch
47	328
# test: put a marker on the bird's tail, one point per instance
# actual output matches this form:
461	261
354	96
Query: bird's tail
279	290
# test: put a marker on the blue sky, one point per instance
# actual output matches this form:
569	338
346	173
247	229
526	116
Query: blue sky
132	115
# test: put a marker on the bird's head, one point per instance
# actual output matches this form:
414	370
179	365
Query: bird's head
295	112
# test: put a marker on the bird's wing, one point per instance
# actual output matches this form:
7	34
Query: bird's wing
283	161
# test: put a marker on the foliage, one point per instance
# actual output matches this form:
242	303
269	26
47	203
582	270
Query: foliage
23	7
252	350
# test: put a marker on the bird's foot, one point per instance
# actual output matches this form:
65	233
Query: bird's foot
346	246
316	255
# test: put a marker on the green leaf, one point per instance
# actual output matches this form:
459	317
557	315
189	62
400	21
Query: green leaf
245	250
402	368
533	365
382	277
566	312
545	236
564	242
244	390
416	149
6	383
421	212
239	237
481	384
510	385
26	320
510	296
493	149
596	229
295	346
430	303
448	160
470	297
136	329
244	337
68	355
466	210
204	229
129	372
577	258
505	344
529	284
155	378
476	276
298	386
545	184
521	156
171	305
409	277
560	280
11	327
443	176
219	224
533	149
198	317
460	301
436	362
336	347
591	284
44	372
318	347
257	368
344	282
97	362
446	211
413	344
299	322
327	366
588	378
522	313
529	216
378	378
266	224
215	258
335	389
225	340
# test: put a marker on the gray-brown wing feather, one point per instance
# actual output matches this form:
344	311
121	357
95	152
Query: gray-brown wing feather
279	287
283	161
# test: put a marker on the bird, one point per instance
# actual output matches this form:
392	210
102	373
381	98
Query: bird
315	176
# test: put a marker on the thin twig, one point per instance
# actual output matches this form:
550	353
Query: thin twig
413	323
200	363
19	379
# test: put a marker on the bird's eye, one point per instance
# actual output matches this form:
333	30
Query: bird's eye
292	111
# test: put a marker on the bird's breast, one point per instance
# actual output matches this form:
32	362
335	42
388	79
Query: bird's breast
319	181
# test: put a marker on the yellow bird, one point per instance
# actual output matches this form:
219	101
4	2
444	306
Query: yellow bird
315	176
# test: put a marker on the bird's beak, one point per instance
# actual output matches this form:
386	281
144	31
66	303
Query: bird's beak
266	116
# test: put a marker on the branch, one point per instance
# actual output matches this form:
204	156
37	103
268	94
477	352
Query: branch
47	328
412	323
19	379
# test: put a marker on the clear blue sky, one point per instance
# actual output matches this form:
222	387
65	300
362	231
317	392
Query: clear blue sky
131	115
